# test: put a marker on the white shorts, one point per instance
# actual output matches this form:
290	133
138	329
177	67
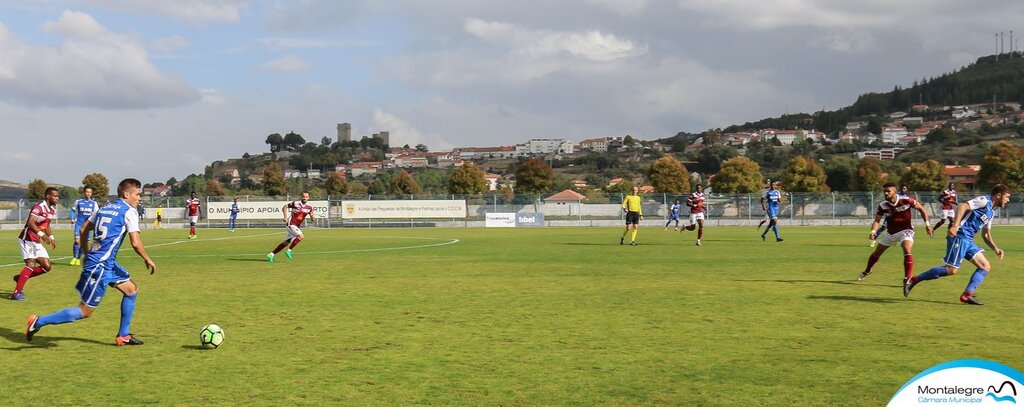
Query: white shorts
896	239
193	219
694	217
32	250
948	213
293	232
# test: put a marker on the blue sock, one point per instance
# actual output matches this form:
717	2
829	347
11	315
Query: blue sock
976	279
60	317
933	273
127	310
75	249
775	228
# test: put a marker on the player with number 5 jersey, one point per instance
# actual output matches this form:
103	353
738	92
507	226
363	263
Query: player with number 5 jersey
112	223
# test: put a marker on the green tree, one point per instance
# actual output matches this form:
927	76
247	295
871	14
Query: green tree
628	141
533	176
36	189
1003	164
376	187
67	192
273	180
432	180
335	184
293	141
357	189
804	175
100	185
467	180
711	137
940	136
841	172
668	175
738	175
925	176
710	159
405	184
213	188
869	175
275	141
422	148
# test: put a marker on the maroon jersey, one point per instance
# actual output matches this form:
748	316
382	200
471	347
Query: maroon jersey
948	199
193	207
897	216
299	212
41	214
696	202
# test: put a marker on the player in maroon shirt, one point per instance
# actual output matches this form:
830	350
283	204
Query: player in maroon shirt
192	210
696	203
294	214
896	210
33	235
948	200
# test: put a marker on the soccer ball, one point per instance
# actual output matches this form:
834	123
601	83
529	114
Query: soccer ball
211	336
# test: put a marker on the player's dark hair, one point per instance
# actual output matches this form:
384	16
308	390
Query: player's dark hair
87	187
127	183
48	190
889	185
1000	189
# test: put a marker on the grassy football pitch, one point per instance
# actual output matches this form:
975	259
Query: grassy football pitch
510	317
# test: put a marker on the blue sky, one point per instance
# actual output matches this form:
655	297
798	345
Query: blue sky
158	88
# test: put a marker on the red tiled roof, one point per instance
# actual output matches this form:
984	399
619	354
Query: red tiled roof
567	195
952	171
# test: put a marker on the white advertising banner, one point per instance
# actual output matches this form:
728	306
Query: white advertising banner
403	209
258	210
500	220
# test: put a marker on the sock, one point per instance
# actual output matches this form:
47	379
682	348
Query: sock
775	228
976	279
625	233
700	233
26	273
295	242
127	310
872	259
285	243
192	231
60	317
632	236
75	250
765	231
933	273
37	271
908	265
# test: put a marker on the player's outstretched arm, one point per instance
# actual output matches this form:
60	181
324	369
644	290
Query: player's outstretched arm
136	239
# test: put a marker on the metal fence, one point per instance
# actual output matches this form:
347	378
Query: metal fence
837	208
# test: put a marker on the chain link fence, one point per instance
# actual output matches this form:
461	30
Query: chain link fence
837	208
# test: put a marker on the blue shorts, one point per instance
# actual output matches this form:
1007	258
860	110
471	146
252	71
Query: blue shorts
95	279
958	249
772	213
78	229
673	217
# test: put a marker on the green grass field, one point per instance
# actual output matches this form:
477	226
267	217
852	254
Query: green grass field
510	317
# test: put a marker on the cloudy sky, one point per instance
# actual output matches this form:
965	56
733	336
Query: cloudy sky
158	88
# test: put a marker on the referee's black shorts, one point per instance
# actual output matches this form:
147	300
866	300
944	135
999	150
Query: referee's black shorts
632	218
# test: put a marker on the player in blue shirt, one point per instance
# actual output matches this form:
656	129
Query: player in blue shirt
971	217
81	210
234	215
673	214
112	223
770	203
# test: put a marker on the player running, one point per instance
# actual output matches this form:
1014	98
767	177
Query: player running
904	192
294	214
33	235
673	215
970	218
696	203
234	215
81	210
899	230
948	200
112	223
634	214
770	203
192	208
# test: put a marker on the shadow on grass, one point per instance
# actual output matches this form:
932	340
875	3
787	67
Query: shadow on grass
258	260
872	299
611	244
842	282
193	347
41	342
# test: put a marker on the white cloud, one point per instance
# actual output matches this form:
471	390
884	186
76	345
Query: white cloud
630	8
190	11
91	66
303	43
287	63
402	132
852	42
592	45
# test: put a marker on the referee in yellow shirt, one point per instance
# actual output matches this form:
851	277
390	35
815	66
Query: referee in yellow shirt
634	213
